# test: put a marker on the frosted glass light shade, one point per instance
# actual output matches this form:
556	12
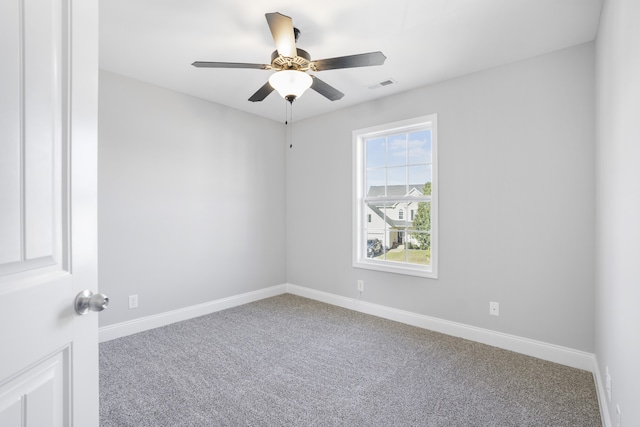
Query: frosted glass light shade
290	84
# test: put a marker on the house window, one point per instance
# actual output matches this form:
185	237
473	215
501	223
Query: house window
394	168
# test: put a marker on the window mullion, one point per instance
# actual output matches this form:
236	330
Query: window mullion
397	199
382	198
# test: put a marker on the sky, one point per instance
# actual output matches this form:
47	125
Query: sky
398	159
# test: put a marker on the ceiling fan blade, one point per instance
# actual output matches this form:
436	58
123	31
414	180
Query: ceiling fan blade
204	64
281	28
326	90
262	93
351	61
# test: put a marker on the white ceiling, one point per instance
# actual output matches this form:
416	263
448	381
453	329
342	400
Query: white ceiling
425	41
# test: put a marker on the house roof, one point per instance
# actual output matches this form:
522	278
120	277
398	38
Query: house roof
395	223
392	191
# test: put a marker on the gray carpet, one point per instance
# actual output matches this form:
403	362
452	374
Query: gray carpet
291	361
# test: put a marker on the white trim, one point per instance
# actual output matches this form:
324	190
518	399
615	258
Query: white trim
359	259
131	327
602	394
550	352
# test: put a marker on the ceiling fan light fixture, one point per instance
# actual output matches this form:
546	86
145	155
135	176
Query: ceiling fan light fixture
290	84
291	64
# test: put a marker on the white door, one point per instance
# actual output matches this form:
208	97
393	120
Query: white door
48	202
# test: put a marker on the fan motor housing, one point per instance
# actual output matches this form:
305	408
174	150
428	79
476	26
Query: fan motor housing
302	61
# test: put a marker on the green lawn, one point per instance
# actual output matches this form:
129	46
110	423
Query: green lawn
415	256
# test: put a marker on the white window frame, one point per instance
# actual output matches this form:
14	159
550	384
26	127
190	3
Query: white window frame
359	249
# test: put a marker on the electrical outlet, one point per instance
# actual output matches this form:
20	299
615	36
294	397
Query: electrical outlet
494	308
360	285
133	301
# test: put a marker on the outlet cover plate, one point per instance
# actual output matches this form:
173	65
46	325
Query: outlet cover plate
494	308
133	301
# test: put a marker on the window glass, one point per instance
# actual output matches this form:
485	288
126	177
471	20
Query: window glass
396	192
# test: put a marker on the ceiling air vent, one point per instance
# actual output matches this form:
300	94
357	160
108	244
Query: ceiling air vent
387	82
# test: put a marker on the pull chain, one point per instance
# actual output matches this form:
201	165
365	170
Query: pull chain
291	127
289	121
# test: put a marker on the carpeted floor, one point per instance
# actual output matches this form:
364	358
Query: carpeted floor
291	361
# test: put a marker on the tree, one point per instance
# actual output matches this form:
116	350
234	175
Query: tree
422	220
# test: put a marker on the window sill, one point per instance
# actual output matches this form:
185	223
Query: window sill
396	268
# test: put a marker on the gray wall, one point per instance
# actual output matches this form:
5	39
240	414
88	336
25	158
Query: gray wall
191	200
618	213
517	200
193	196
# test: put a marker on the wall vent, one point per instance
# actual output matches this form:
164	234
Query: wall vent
383	83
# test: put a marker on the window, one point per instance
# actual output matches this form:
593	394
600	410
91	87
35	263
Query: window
394	168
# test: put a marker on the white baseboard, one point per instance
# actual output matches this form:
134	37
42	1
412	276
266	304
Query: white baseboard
602	394
551	352
130	327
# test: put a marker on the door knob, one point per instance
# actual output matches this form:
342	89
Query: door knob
87	301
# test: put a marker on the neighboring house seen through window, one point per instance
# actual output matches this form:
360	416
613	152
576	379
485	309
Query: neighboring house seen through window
394	173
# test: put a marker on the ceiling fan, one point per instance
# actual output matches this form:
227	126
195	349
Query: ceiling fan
291	64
